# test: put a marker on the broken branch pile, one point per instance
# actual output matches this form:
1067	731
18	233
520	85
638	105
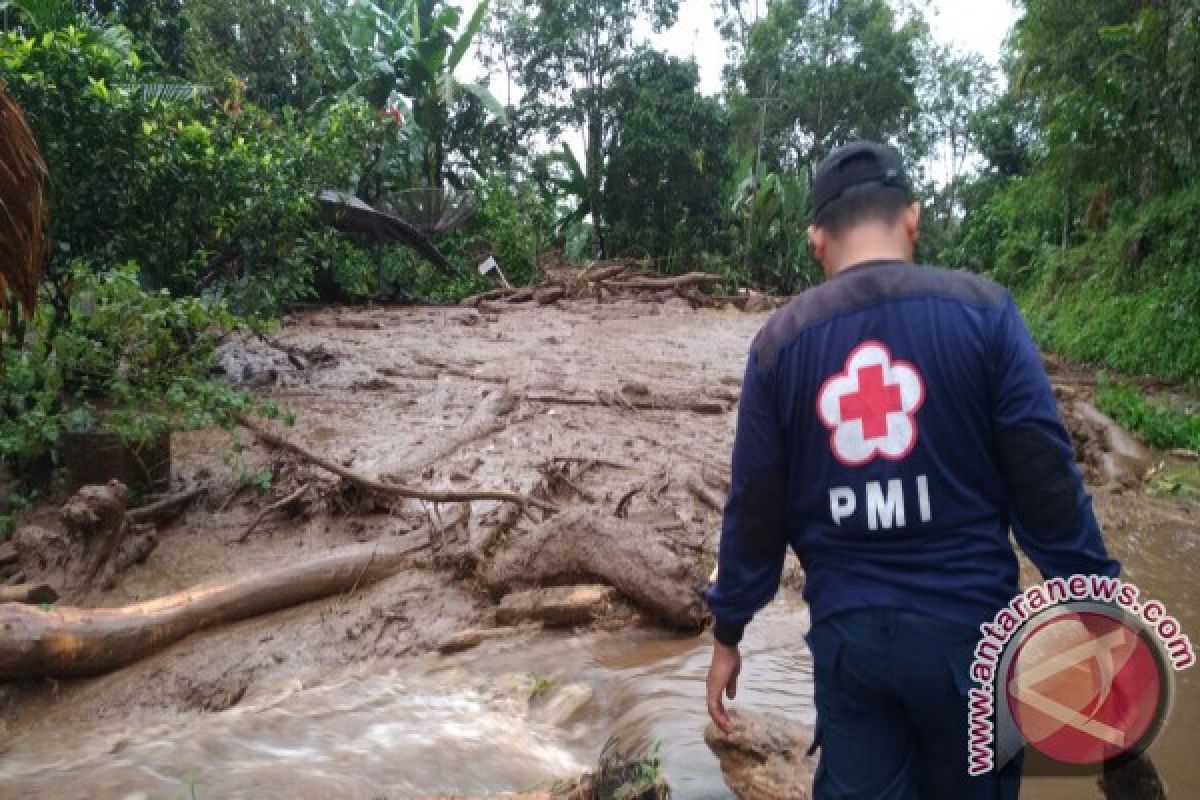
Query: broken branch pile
608	280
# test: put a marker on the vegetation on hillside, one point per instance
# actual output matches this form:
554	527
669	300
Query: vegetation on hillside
186	144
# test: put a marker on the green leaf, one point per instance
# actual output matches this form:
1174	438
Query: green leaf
468	34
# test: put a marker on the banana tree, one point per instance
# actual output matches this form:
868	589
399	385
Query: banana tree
571	183
410	50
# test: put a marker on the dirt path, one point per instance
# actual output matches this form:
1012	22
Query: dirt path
622	411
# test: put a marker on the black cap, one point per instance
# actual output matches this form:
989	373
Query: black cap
853	165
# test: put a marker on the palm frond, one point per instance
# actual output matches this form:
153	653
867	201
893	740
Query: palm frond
169	92
22	205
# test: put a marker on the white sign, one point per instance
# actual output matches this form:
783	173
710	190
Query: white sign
489	266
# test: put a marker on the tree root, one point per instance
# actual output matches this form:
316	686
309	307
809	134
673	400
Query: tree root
587	543
276	506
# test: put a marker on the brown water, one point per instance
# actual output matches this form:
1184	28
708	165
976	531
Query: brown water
510	715
478	723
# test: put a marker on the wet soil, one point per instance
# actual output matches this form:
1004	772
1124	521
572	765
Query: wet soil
385	392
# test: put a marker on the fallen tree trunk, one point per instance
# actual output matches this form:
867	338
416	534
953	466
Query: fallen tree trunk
585	543
79	641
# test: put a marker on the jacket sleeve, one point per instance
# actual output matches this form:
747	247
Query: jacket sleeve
1051	512
754	528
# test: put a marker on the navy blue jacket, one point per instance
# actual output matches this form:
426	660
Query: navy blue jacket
894	423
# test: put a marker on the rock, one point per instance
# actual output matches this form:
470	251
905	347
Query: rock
1184	455
560	605
473	637
765	758
41	549
1130	459
758	303
252	362
565	705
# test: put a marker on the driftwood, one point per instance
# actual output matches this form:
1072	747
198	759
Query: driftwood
635	560
549	295
651	402
677	282
167	508
473	637
488	418
557	605
278	505
33	593
79	641
492	294
391	489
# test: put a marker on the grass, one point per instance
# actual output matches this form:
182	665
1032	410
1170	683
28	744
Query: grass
1163	426
542	685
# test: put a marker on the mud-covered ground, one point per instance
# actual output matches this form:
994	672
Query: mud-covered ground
621	411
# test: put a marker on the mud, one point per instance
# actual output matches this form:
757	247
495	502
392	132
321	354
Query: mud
452	398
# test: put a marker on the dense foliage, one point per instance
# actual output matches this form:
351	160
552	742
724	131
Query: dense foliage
187	142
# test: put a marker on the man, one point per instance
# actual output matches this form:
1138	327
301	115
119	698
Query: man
894	423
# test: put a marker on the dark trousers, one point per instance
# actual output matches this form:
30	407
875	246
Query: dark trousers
891	697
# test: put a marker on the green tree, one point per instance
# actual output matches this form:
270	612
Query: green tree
412	49
667	159
818	73
569	53
267	45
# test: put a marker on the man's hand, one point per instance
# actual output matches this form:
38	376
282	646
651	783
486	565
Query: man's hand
722	677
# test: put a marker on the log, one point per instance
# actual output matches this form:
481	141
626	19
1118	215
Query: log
32	593
766	757
558	605
677	282
80	641
587	543
489	417
473	637
392	489
492	294
693	404
167	508
549	295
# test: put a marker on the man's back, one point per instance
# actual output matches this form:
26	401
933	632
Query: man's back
893	424
884	379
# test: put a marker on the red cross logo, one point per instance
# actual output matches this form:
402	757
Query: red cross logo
873	401
869	407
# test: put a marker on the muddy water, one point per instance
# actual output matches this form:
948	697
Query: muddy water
516	715
510	715
506	717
